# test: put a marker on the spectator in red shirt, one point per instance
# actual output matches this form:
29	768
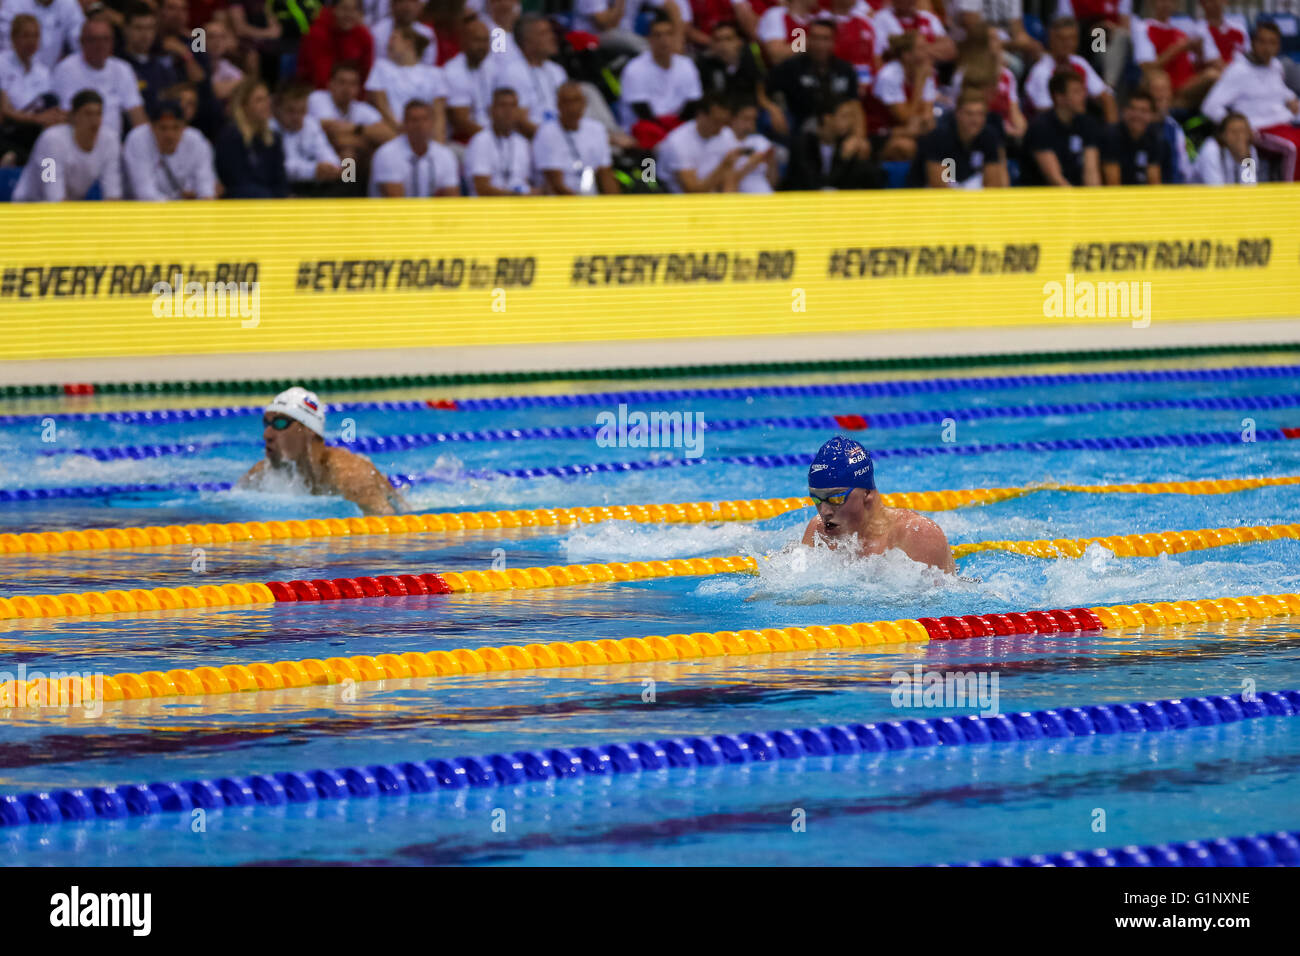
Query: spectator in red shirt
855	39
1227	34
1183	57
705	16
901	107
781	26
338	35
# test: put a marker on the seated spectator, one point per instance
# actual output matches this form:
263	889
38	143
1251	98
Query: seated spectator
614	21
1223	36
1184	58
964	150
855	39
572	152
534	75
1004	17
1062	40
60	20
337	35
310	162
166	159
903	16
1229	158
78	153
258	32
1114	19
187	95
405	13
498	161
1062	144
660	88
729	69
705	17
250	155
354	127
980	64
755	169
415	165
94	68
223	73
1131	150
501	17
28	105
1175	167
174	41
471	76
778	25
806	80
901	107
402	75
153	72
699	155
832	155
1252	85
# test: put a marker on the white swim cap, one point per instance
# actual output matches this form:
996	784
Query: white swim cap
302	406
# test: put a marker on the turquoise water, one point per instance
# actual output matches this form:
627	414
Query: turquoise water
925	806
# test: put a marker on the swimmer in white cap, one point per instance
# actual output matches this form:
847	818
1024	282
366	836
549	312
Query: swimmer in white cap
293	428
842	484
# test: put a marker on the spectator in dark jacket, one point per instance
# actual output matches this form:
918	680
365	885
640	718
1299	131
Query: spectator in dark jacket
250	154
833	155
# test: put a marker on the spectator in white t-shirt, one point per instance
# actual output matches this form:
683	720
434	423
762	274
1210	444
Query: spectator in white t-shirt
535	76
501	17
755	170
1062	41
414	164
166	159
95	68
28	105
471	76
403	76
1223	35
777	26
60	20
571	151
700	155
354	127
658	86
405	13
71	157
498	161
308	156
1229	158
905	93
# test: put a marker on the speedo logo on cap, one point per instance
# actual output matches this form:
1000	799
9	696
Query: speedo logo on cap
817	468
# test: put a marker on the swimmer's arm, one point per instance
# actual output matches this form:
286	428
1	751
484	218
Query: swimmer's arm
929	545
373	494
811	532
253	473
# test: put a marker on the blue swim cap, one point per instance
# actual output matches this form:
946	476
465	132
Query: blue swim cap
842	463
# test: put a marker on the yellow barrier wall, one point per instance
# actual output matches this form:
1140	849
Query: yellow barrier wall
77	279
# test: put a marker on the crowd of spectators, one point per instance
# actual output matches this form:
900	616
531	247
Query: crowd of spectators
198	99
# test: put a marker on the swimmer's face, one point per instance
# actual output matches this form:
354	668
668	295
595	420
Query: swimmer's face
844	518
287	443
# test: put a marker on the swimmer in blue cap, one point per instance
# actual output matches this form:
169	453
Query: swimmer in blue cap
842	484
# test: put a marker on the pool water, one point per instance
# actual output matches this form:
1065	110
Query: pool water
921	806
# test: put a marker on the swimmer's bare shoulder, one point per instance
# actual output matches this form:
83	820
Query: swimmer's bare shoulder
922	540
253	473
356	478
811	532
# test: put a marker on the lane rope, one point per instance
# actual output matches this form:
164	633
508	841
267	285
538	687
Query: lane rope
234	678
753	509
891	389
1280	848
641	756
1104	443
885	420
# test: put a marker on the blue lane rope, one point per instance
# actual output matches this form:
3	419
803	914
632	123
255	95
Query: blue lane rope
891	388
885	420
1112	443
497	770
1281	848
